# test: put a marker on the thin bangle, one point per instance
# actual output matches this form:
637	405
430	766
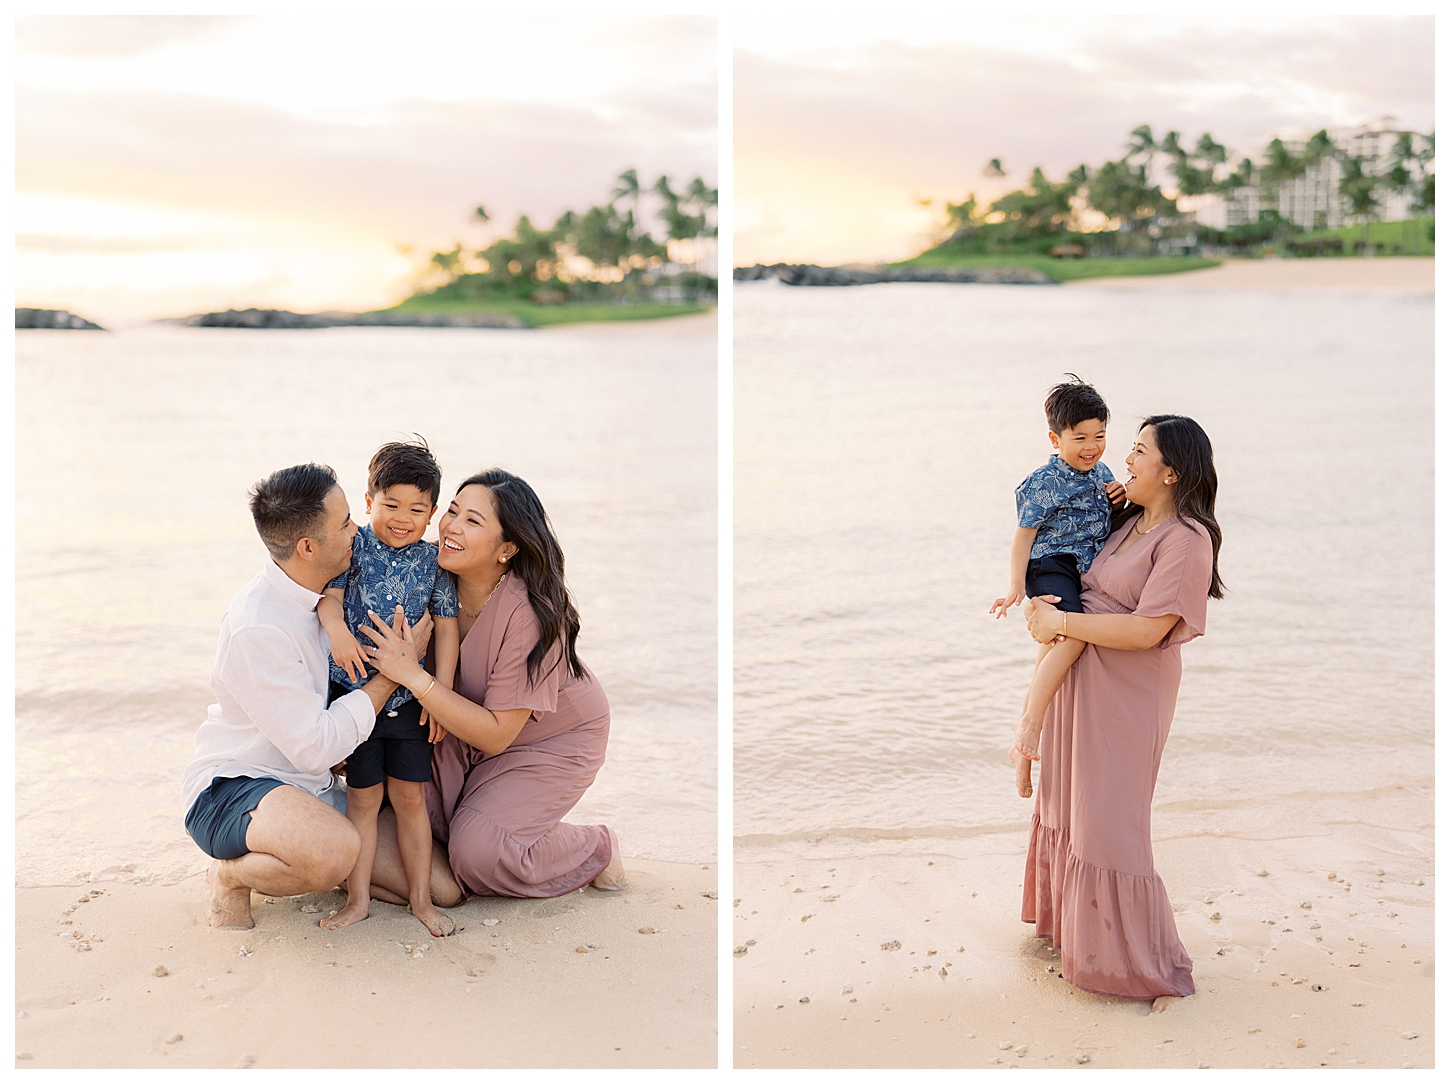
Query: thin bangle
428	690
1064	622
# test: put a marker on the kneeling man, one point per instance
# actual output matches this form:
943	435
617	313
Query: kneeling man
259	793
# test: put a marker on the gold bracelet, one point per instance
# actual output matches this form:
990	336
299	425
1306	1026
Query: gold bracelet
428	690
1064	622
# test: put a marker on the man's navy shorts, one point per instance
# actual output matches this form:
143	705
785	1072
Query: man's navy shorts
219	818
1056	574
398	747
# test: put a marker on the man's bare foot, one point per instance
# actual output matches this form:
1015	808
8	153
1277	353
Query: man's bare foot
346	917
1161	1004
1024	772
230	907
437	923
612	877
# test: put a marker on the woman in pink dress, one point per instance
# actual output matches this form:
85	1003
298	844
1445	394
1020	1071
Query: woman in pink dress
1090	884
526	728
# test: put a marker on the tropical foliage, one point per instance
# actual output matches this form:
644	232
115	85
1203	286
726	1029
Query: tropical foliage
605	253
1128	206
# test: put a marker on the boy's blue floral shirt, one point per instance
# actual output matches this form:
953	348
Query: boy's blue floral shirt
1069	508
379	578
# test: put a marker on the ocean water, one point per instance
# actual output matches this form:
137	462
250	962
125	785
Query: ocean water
135	450
880	433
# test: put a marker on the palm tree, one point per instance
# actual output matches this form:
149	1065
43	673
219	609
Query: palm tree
1359	188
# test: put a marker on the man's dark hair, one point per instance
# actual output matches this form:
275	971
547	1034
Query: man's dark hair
291	504
407	463
1072	403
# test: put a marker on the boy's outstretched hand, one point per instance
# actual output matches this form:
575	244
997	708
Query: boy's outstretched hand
1116	493
348	654
1002	605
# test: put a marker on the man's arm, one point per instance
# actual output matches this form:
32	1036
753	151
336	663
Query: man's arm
265	674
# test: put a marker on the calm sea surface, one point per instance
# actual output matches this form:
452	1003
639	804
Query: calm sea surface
134	453
880	432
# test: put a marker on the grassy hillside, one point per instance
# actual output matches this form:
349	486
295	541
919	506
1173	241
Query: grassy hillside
1089	267
552	315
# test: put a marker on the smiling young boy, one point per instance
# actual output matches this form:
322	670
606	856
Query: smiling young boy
392	565
1064	512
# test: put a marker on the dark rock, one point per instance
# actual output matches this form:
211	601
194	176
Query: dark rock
280	318
56	319
812	275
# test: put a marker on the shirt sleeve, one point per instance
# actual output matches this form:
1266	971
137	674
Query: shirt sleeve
508	683
1178	584
444	600
1036	501
266	675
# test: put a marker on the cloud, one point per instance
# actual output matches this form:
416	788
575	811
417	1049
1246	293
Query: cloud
112	35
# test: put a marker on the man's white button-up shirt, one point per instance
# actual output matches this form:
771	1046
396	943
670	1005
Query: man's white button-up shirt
270	680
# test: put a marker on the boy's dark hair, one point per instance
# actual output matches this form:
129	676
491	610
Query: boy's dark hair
1072	403
291	504
407	463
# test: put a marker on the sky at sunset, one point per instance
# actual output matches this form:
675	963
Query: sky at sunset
170	164
842	126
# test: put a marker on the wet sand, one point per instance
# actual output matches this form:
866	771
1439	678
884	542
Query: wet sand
133	978
1402	274
922	961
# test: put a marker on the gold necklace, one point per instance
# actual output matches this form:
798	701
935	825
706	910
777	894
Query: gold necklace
474	613
1136	525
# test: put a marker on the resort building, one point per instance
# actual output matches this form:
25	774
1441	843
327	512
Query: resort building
1312	201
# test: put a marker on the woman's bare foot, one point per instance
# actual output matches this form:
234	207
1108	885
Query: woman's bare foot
230	908
353	912
1023	765
1161	1004
611	878
437	923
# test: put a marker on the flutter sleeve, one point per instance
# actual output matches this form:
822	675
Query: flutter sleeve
508	683
1178	584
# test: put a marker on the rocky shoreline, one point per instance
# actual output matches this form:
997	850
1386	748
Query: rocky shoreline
805	274
280	318
52	319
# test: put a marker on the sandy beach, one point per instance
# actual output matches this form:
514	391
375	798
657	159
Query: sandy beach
133	978
1401	274
922	962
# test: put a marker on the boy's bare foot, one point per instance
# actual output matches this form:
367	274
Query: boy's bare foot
612	877
1027	736
346	917
229	908
437	923
1162	1004
1023	764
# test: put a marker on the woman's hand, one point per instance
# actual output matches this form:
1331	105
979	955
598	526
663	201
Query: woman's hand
1044	620
398	649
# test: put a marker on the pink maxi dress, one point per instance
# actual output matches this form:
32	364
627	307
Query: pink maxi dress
501	817
1090	884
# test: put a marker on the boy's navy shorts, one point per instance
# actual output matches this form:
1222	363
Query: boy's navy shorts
1056	574
219	818
398	747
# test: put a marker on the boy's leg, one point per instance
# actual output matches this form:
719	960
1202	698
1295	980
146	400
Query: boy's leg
362	811
1052	669
415	845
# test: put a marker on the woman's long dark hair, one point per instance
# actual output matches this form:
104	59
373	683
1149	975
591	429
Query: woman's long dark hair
1186	451
539	563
